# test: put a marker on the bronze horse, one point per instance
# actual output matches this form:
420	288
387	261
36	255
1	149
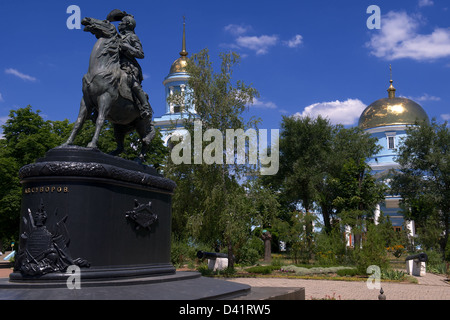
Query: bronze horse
105	96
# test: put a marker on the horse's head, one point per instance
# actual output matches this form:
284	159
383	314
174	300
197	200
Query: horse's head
99	28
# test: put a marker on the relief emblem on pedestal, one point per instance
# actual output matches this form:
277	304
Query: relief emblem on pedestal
142	215
44	250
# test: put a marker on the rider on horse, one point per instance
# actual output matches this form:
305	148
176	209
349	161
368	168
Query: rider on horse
130	49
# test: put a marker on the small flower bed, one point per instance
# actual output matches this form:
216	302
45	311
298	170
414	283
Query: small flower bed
396	250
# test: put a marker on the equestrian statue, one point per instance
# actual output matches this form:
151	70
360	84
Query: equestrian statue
112	86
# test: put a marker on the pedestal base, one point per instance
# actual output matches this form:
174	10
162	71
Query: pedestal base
109	216
179	286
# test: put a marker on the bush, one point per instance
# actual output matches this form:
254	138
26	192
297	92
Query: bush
250	252
315	270
391	274
373	251
262	269
396	250
447	250
330	249
182	252
204	270
435	262
347	272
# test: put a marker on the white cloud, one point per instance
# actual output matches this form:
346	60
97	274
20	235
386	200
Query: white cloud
264	104
295	41
399	38
445	116
425	3
338	112
20	75
1	98
237	29
259	44
425	97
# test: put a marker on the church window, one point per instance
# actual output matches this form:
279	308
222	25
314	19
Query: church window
391	142
390	136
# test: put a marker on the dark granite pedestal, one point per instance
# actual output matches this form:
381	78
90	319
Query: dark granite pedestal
179	286
106	218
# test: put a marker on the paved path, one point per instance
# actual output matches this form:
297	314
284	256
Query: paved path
430	287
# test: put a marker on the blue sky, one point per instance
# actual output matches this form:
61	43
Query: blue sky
315	57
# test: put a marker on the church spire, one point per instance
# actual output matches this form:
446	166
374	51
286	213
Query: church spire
391	89
183	52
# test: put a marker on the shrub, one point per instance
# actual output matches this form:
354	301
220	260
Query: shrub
277	260
315	270
179	253
330	249
250	252
206	272
347	272
435	262
396	250
391	274
261	269
447	250
373	251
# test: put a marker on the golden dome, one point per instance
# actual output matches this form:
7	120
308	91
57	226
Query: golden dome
180	64
391	111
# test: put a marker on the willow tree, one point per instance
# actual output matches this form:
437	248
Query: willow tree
211	203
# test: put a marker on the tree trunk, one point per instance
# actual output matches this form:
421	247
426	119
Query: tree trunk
230	255
326	220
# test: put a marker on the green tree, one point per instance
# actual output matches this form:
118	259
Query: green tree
323	165
348	145
305	144
358	196
210	203
423	180
26	137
